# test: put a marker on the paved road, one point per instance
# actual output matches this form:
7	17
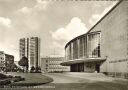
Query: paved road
65	78
77	81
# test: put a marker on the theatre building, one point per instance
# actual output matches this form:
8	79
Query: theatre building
104	48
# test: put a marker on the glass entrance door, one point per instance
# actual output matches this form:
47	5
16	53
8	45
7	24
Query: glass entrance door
81	67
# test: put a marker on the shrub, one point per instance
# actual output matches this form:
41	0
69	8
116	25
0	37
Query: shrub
105	73
9	76
2	76
32	69
18	78
22	79
5	82
35	69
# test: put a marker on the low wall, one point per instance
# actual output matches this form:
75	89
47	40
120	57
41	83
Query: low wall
117	74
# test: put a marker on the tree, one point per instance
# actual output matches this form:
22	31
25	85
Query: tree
32	69
24	62
38	69
14	67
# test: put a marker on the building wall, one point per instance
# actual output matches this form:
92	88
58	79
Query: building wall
2	60
9	59
30	48
76	49
44	64
114	39
6	61
22	47
85	46
9	62
52	64
93	45
89	67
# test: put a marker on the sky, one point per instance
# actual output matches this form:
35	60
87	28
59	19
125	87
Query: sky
55	22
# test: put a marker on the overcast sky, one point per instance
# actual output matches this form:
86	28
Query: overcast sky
55	22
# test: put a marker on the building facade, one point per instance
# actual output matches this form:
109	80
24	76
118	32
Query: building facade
104	48
2	60
52	64
6	61
30	48
9	62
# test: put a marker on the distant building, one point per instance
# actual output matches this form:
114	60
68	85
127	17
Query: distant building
6	61
9	61
30	48
2	60
9	58
52	64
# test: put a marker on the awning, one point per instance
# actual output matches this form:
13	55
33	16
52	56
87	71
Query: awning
85	60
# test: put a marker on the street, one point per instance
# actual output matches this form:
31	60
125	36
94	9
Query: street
88	81
63	78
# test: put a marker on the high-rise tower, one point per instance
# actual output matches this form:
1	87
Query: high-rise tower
30	48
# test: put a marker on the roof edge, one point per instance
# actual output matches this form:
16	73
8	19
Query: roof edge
97	21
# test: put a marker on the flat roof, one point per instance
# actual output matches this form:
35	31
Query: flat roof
85	60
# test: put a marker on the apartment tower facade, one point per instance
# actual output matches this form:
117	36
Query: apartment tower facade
30	48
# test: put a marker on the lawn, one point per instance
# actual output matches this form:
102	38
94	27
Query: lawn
31	79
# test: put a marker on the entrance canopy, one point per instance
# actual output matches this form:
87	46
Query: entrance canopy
85	60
